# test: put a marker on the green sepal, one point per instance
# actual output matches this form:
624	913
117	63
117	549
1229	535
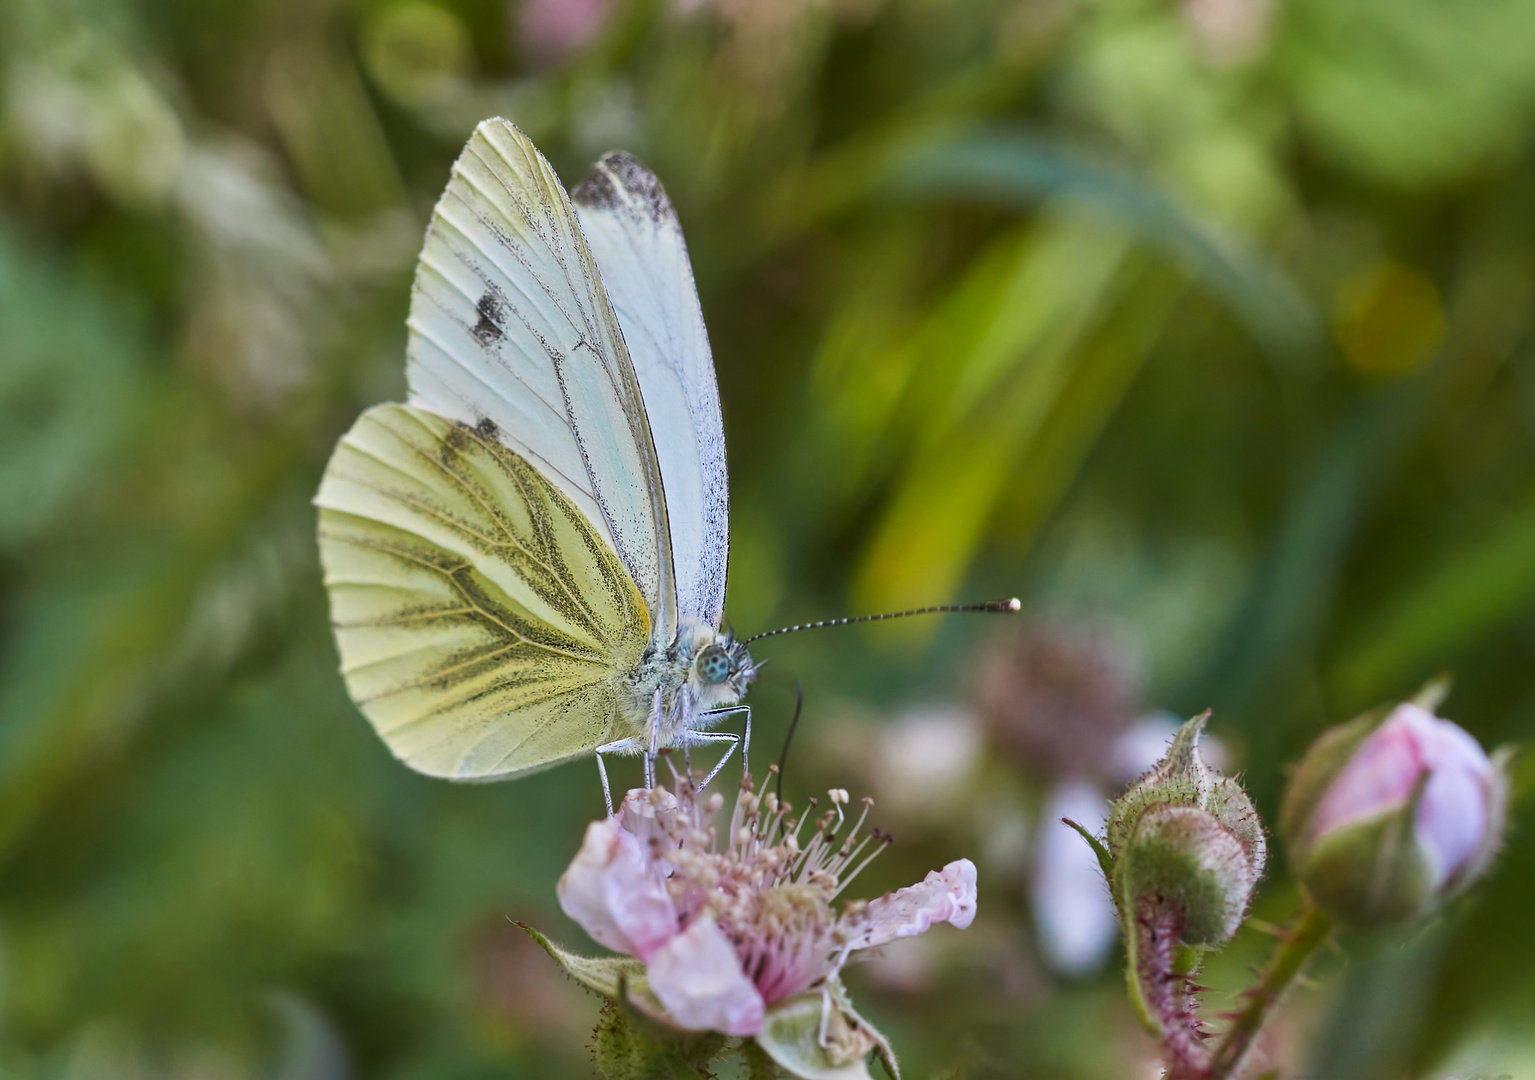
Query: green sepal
1322	763
1183	779
759	1063
1105	860
1371	874
1503	759
628	1045
791	1036
634	1040
605	975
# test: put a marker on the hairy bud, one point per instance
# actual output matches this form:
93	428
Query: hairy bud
1183	852
1187	839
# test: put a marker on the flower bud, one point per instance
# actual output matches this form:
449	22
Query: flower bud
1391	814
1184	850
1186	840
1184	860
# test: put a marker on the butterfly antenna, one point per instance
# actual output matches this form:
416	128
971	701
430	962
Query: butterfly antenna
783	755
1001	606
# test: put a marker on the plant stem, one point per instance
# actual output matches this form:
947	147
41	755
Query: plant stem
1310	930
1162	980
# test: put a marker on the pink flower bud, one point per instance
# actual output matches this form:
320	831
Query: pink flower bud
1385	819
1452	812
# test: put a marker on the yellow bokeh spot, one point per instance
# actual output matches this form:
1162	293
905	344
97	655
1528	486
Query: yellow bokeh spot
1388	320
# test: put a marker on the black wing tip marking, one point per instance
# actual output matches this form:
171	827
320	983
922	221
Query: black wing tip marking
597	190
619	180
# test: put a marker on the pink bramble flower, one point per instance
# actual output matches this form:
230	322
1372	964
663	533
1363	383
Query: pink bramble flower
739	930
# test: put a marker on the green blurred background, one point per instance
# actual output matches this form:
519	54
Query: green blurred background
1209	321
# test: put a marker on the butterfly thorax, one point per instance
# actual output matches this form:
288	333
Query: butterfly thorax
703	669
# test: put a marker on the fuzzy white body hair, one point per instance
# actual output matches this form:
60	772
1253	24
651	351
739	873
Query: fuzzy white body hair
686	699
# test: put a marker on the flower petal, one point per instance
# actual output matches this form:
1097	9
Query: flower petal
943	896
1454	809
699	979
613	892
650	815
1452	817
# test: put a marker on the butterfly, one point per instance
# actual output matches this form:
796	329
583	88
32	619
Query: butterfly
526	561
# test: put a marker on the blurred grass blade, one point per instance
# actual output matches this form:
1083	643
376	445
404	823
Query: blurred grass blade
1005	343
331	133
1014	168
1472	593
70	387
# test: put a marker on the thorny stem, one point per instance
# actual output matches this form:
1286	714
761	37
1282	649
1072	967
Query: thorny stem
1310	930
1165	987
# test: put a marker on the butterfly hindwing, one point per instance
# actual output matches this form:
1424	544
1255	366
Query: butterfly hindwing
482	619
509	323
637	241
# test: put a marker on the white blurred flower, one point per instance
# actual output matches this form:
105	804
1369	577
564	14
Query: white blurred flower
924	758
1073	913
76	100
257	299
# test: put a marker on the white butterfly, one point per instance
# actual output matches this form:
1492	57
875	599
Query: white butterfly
526	562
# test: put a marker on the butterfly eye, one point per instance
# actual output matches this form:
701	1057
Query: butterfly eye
713	665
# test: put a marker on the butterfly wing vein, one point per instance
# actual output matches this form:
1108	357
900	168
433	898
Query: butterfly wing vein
511	328
482	621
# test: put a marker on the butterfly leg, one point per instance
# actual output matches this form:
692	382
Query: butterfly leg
655	737
710	736
622	746
715	715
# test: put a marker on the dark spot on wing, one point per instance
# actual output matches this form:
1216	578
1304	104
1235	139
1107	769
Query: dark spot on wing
492	311
619	180
454	442
487	428
596	191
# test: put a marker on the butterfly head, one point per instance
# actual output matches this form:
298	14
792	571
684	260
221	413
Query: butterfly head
712	665
723	669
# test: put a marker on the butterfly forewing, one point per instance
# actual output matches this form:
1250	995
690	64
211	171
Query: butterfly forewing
482	620
509	324
637	242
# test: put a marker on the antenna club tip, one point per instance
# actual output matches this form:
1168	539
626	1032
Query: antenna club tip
1012	605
